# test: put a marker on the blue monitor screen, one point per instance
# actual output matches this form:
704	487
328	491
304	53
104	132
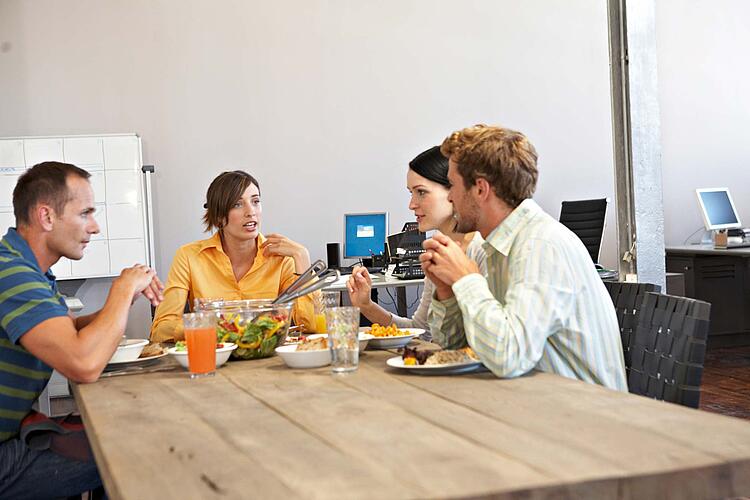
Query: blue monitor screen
718	208
364	234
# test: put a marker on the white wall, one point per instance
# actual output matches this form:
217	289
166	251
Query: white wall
705	107
324	101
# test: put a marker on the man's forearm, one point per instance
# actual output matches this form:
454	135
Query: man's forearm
100	336
83	321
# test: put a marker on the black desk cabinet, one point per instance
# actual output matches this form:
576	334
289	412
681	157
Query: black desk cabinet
721	277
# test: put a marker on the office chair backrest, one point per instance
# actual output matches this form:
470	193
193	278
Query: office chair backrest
668	349
586	219
627	299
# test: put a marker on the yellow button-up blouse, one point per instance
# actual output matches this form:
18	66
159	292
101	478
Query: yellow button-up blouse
202	270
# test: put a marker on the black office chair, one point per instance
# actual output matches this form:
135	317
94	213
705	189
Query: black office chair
586	219
668	349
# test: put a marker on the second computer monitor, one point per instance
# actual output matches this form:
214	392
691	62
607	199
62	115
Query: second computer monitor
718	208
364	234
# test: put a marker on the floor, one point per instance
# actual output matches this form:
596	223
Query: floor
726	382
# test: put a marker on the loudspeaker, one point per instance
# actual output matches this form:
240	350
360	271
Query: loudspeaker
334	255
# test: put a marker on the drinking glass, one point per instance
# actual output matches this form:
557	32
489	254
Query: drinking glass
343	330
200	334
321	302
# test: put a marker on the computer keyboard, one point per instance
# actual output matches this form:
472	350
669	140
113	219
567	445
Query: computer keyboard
370	269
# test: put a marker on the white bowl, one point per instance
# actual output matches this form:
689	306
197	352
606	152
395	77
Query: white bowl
222	354
129	351
393	342
364	339
304	359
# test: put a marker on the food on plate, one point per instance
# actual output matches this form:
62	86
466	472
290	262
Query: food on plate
414	357
255	339
386	331
315	344
152	350
470	352
447	357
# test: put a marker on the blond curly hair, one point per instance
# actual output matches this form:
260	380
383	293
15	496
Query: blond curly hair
504	157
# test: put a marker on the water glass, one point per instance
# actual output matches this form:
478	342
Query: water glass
200	334
343	342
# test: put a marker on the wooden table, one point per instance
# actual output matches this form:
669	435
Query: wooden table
260	430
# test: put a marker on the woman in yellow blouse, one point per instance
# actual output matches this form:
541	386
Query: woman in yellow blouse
237	262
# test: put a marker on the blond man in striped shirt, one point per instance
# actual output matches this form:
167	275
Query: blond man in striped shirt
541	305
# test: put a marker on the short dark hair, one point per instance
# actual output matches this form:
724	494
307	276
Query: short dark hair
43	183
222	194
432	165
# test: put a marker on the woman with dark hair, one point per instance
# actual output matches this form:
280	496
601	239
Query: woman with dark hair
427	181
236	263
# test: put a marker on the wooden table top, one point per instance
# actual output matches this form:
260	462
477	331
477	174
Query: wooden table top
261	430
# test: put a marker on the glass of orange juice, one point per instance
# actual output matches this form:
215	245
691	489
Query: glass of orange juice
321	302
200	334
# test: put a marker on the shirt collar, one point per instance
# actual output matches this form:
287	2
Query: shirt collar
19	246
501	238
215	242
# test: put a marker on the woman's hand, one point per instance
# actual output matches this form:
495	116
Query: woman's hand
359	286
277	244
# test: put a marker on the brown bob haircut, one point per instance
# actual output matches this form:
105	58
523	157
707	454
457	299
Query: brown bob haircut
222	194
43	183
504	157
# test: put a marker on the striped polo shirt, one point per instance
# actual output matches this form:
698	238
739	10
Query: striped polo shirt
27	298
540	305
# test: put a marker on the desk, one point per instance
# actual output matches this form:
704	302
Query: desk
261	430
721	277
383	281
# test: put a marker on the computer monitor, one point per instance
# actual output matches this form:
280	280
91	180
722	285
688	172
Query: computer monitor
718	208
364	234
406	241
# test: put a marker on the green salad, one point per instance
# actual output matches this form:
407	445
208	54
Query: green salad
255	339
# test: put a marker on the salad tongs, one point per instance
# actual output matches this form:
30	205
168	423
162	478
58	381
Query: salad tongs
314	278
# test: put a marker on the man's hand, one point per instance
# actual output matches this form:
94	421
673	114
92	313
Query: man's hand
141	279
277	244
443	291
445	262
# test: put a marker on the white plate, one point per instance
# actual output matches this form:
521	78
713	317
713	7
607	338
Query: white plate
392	342
120	364
449	368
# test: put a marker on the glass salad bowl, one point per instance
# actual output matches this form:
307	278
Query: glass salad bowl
258	327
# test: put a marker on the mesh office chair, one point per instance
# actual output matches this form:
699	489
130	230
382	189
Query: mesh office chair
627	299
669	348
586	219
663	340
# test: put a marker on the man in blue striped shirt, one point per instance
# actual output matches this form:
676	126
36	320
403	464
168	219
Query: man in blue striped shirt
541	304
54	208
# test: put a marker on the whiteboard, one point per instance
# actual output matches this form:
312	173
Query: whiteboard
121	195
